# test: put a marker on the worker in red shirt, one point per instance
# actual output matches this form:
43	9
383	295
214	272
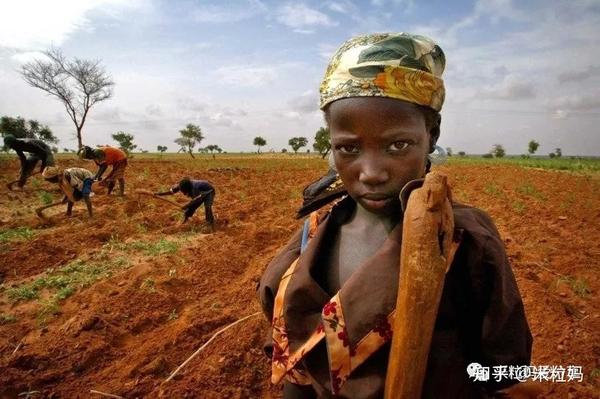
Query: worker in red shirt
104	157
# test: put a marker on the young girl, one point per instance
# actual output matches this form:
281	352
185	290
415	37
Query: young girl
330	290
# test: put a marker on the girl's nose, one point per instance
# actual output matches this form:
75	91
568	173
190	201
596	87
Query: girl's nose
372	172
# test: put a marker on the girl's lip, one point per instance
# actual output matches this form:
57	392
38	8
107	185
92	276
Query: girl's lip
376	196
376	202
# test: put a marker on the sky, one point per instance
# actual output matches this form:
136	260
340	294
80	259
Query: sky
515	70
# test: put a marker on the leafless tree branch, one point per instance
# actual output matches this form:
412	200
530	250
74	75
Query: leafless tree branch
78	84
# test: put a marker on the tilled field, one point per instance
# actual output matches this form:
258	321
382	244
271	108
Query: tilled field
116	303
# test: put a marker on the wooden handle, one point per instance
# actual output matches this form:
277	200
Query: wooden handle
426	254
39	211
151	194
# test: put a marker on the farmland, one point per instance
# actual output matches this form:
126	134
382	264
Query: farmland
116	303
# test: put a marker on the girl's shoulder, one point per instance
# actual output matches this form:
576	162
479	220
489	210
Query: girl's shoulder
473	220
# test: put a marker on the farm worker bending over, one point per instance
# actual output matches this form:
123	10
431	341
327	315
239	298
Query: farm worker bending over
75	183
330	292
105	157
37	151
201	192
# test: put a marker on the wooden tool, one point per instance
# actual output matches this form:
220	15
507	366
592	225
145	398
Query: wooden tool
12	183
39	211
426	254
151	194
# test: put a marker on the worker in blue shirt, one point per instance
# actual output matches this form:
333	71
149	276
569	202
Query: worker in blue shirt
201	192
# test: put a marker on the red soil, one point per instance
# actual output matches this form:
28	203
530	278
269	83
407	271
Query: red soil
119	337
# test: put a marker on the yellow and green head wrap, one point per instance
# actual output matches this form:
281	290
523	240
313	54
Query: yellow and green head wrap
395	65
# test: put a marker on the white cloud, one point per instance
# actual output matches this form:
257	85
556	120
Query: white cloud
234	112
408	4
560	114
293	115
577	76
492	11
220	119
27	56
107	114
300	16
304	31
577	102
305	103
154	110
228	13
500	70
342	6
511	88
326	50
190	104
34	24
246	75
337	7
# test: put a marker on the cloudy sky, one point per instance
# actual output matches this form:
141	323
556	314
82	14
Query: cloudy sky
516	70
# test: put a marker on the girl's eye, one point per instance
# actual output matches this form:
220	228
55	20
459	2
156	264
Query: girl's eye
347	149
398	146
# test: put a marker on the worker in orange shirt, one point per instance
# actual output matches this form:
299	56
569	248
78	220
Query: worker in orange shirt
104	157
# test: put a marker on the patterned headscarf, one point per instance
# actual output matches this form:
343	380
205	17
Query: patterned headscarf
50	172
395	65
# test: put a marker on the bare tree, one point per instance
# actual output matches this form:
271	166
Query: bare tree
78	84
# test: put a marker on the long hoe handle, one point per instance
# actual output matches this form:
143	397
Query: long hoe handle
426	254
151	194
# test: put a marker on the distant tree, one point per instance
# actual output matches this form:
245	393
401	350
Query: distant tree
449	151
212	148
297	142
125	141
322	141
532	147
20	128
498	151
190	136
219	149
488	155
259	142
283	150
55	149
78	84
161	148
462	153
66	150
558	152
552	155
144	151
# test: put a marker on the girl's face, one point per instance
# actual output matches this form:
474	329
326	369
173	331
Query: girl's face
379	144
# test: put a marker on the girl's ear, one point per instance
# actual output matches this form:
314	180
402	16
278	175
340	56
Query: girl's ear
434	132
